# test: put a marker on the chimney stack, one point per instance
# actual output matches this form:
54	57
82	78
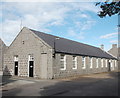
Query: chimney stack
102	46
114	45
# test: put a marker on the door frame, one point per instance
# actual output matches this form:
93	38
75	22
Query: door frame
16	60
33	64
29	69
15	69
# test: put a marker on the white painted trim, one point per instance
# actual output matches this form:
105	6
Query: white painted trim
75	63
97	62
28	65
102	63
64	63
33	65
33	68
16	58
108	53
91	62
106	63
111	54
84	64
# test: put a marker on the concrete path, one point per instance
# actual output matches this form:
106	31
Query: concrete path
105	84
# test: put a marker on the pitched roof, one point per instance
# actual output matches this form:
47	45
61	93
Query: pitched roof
63	45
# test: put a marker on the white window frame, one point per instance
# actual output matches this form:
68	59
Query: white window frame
115	63
30	57
91	62
64	60
106	63
97	62
112	63
102	64
83	62
16	58
75	61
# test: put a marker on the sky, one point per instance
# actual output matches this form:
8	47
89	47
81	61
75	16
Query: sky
73	20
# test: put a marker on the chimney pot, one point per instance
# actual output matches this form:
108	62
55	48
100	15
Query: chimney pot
114	45
102	46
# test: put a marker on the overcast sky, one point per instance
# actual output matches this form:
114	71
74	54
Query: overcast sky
73	20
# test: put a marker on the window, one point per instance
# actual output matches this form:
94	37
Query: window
74	62
83	62
91	62
16	58
23	42
97	63
106	62
112	64
115	63
30	58
63	62
101	62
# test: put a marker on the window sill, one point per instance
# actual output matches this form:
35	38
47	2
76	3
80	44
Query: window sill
62	69
74	68
83	68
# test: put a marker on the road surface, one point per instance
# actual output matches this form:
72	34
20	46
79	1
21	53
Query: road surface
104	84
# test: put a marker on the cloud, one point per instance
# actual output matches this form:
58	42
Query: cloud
9	32
110	35
85	6
88	24
41	16
73	34
114	41
50	0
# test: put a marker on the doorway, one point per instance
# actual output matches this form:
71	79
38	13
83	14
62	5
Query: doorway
109	66
16	67
31	67
44	66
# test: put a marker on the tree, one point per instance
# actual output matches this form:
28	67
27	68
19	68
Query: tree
108	8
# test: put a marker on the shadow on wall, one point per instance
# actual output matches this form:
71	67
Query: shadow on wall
6	76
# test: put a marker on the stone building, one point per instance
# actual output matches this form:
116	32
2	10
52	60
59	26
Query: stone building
40	55
3	48
115	51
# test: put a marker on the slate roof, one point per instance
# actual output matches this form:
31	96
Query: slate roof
63	45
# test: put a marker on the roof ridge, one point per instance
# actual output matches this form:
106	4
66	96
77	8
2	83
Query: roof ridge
64	38
71	46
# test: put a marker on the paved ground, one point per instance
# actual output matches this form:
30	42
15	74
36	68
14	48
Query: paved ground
1	83
105	84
